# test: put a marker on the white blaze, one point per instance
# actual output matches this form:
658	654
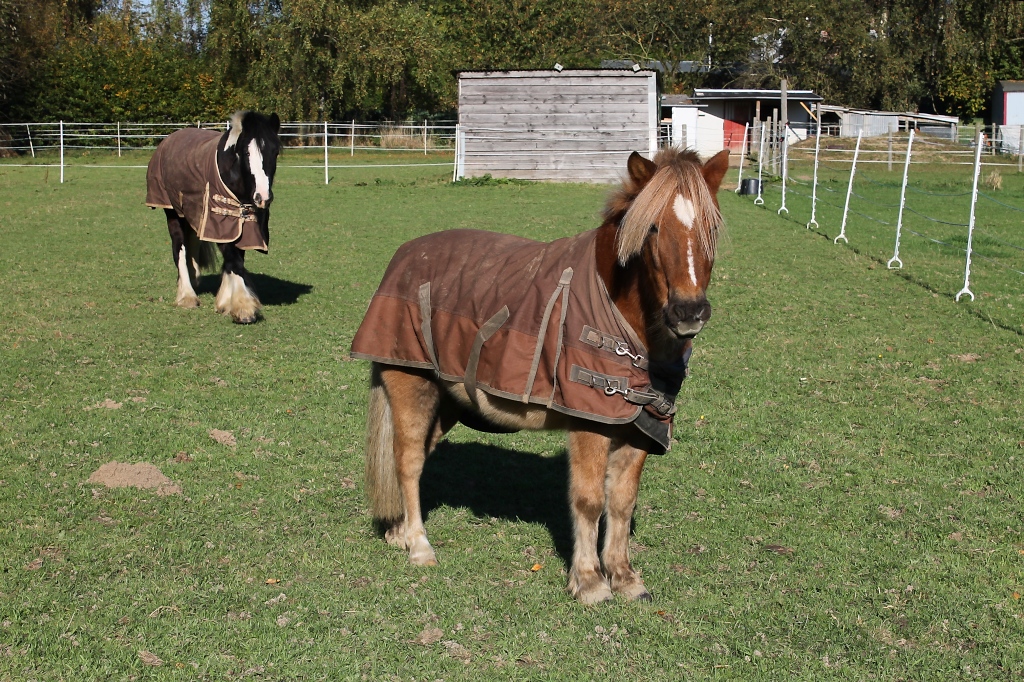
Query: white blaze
684	210
258	174
689	260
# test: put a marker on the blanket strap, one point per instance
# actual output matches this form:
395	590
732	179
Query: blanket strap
486	331
428	335
563	289
611	385
244	211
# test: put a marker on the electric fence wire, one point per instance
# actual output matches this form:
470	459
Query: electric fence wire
996	201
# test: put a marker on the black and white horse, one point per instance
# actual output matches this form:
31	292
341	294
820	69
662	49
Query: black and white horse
216	190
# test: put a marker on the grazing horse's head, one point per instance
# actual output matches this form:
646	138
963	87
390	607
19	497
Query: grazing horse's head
667	220
247	156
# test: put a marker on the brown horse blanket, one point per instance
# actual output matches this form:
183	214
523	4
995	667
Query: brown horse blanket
183	176
520	319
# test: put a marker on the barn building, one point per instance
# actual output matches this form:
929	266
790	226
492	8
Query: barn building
565	125
1008	114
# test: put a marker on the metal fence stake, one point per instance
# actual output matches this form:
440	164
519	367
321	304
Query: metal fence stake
903	200
970	223
849	191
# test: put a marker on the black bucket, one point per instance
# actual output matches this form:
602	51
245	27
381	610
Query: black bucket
750	186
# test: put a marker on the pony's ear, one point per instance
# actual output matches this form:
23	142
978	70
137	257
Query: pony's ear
275	122
714	170
640	169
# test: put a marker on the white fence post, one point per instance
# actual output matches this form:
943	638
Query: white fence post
119	139
849	191
352	139
970	223
743	153
326	178
903	200
62	152
30	146
424	137
785	170
759	200
814	181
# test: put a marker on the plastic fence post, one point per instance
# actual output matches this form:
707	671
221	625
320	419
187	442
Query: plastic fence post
326	178
759	200
814	182
849	191
970	223
743	153
903	200
785	171
62	152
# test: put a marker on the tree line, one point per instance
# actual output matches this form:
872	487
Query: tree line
175	60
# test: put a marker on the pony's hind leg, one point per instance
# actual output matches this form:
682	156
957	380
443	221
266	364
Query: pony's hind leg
588	461
625	465
179	230
235	297
420	416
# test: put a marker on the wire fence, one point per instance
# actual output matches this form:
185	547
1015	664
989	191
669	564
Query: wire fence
971	224
35	143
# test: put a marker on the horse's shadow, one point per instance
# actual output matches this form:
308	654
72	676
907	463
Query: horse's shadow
271	290
507	484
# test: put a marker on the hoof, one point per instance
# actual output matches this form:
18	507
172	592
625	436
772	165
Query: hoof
248	319
634	592
187	302
421	553
597	595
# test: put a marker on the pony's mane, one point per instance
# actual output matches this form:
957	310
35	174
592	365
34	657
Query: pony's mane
635	208
234	129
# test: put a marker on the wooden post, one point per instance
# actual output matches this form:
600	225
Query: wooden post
326	178
352	140
119	139
62	152
890	149
424	137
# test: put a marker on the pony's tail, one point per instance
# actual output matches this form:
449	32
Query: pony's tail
204	253
382	491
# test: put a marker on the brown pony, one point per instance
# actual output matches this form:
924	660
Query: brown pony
651	258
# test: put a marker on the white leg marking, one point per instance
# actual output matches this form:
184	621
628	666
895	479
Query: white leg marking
186	294
684	210
258	174
224	293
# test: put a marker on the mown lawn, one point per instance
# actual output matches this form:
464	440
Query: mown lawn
843	501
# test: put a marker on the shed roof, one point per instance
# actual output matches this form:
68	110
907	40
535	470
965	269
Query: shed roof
797	95
1011	86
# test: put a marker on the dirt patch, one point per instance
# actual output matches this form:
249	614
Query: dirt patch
223	437
143	476
107	404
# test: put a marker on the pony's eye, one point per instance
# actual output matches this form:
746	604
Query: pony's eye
654	228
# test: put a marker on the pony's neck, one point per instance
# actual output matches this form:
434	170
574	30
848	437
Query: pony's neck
623	283
231	171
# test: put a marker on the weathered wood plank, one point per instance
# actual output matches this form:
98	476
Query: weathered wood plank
555	146
468	111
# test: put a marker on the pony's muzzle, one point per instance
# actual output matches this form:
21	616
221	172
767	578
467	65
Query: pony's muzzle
685	319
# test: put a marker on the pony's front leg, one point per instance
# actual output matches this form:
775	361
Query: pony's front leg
235	297
588	462
625	465
187	274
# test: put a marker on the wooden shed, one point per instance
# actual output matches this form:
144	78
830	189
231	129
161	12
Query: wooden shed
569	126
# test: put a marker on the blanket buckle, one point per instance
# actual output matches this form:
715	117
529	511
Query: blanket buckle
622	349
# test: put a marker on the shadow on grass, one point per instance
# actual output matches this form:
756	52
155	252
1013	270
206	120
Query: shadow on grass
270	290
507	484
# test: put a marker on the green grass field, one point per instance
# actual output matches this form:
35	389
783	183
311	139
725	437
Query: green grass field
843	501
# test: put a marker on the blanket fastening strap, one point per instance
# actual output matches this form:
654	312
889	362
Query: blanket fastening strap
428	335
563	284
243	211
486	331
